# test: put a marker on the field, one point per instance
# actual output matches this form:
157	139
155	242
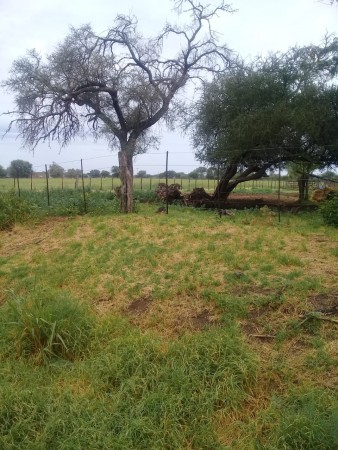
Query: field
179	331
146	184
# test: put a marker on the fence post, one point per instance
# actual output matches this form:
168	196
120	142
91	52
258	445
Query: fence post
31	181
166	182
279	182
62	181
83	189
141	183
150	183
18	187
101	184
219	192
112	182
47	185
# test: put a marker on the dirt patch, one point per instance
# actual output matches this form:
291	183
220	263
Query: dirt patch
203	319
139	306
104	305
324	303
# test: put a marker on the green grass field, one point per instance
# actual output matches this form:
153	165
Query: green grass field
179	331
106	184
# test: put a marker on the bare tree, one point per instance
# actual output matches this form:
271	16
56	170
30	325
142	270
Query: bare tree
118	85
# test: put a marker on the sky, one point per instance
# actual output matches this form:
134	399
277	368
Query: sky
255	28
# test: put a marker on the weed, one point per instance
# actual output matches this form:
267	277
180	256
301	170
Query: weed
46	326
13	209
329	211
303	420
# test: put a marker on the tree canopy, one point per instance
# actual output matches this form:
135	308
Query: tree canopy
20	169
55	170
118	85
3	172
279	109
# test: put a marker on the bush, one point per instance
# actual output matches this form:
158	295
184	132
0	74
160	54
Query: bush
46	326
13	209
329	211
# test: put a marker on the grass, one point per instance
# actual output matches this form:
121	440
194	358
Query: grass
179	331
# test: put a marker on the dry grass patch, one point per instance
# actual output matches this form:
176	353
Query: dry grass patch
172	317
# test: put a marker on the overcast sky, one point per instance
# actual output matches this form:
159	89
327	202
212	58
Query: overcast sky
257	27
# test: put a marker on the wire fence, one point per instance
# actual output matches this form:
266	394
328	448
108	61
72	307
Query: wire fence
276	186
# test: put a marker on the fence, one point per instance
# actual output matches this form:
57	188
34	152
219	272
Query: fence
148	183
276	186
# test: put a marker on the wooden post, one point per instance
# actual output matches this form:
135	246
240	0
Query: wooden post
18	187
166	181
279	182
47	185
83	189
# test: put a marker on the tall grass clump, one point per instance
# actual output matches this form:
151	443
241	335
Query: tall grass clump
329	211
165	396
45	326
305	420
13	209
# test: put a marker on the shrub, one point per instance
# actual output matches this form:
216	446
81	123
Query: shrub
329	211
46	326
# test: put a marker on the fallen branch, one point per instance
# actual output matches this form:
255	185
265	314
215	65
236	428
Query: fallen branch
315	315
263	336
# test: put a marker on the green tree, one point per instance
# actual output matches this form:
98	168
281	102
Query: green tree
115	171
3	172
301	170
212	173
105	173
56	171
280	109
20	169
118	85
169	174
141	174
73	173
198	173
95	173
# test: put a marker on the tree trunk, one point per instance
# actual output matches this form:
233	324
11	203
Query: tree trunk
225	187
126	176
228	183
303	188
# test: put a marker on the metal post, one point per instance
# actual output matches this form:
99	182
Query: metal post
101	183
47	185
83	189
279	182
18	187
31	181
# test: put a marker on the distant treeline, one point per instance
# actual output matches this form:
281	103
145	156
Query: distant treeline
24	169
